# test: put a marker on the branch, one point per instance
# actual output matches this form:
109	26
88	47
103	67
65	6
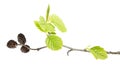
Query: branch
38	48
71	49
110	52
74	49
34	48
84	50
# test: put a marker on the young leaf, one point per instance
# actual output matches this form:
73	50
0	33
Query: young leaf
58	23
42	20
37	24
47	12
98	52
54	42
47	27
44	27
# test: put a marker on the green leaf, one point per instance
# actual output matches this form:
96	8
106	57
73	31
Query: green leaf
44	27
37	24
47	12
58	23
54	42
98	52
42	20
47	27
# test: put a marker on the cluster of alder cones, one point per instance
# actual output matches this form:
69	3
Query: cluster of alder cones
22	40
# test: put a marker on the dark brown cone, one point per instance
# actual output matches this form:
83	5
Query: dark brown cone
25	49
21	38
11	44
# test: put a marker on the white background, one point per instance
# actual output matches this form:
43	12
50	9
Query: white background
88	22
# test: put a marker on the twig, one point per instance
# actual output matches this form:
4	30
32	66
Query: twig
84	50
71	49
110	52
74	49
33	48
38	48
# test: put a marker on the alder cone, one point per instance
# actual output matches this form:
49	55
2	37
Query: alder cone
25	49
21	38
11	44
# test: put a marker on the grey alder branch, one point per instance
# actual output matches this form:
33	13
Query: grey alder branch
84	50
73	49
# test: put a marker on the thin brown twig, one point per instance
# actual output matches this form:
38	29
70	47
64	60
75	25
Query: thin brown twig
110	52
85	50
33	48
38	48
71	49
74	49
